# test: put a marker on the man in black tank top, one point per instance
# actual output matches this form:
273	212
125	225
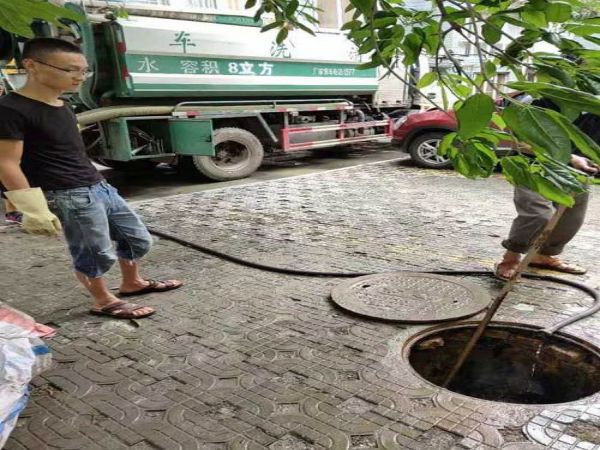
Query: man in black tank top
49	178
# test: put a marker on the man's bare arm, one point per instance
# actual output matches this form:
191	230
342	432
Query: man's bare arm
11	175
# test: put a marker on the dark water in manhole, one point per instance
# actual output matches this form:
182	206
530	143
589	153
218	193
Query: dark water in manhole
511	364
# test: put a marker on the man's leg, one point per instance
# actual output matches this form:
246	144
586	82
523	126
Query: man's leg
567	227
85	224
534	211
131	280
133	242
105	302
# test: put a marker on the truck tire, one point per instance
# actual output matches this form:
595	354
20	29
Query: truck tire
423	149
238	154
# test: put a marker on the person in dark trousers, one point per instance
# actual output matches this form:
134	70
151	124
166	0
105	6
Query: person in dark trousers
534	211
49	179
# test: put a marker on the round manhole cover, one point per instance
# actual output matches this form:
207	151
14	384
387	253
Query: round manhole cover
411	297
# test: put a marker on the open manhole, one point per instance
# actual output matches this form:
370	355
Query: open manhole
411	297
512	363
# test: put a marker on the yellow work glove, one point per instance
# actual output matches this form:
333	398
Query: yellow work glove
37	218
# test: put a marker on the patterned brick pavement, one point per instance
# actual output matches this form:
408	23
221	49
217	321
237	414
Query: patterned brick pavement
247	359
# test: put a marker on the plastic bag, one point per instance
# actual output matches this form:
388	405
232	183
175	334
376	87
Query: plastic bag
23	355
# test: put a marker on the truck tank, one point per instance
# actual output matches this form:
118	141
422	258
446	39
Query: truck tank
160	57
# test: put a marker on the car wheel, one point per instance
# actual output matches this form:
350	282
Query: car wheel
423	150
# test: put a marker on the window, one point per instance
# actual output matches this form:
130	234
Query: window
190	5
201	4
502	80
465	48
332	15
347	16
329	17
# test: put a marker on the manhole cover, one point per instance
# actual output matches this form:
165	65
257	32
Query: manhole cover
410	297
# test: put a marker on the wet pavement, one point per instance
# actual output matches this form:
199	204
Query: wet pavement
241	358
165	181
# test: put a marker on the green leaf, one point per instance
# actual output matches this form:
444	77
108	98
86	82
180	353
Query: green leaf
305	28
489	69
539	129
519	171
474	160
432	39
558	12
498	121
360	34
364	6
537	18
444	98
516	171
537	5
479	80
562	175
384	22
554	72
411	45
291	7
16	17
474	115
41	9
121	13
427	79
259	12
551	191
583	30
581	101
446	143
282	35
351	25
250	4
368	65
491	34
270	26
367	46
582	141
463	90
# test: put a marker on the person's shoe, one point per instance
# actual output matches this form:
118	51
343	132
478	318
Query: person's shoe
13	217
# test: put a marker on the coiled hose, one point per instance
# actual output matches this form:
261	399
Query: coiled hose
310	273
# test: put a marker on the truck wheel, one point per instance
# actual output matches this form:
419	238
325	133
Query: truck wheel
423	151
238	153
140	165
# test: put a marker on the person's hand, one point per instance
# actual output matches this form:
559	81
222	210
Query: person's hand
37	218
584	164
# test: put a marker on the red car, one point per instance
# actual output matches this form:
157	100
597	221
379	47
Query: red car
420	134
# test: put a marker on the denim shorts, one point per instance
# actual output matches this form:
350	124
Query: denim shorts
92	218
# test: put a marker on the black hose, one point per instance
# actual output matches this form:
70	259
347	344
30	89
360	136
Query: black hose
310	273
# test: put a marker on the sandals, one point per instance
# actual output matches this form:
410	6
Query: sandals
557	265
498	267
153	286
121	310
